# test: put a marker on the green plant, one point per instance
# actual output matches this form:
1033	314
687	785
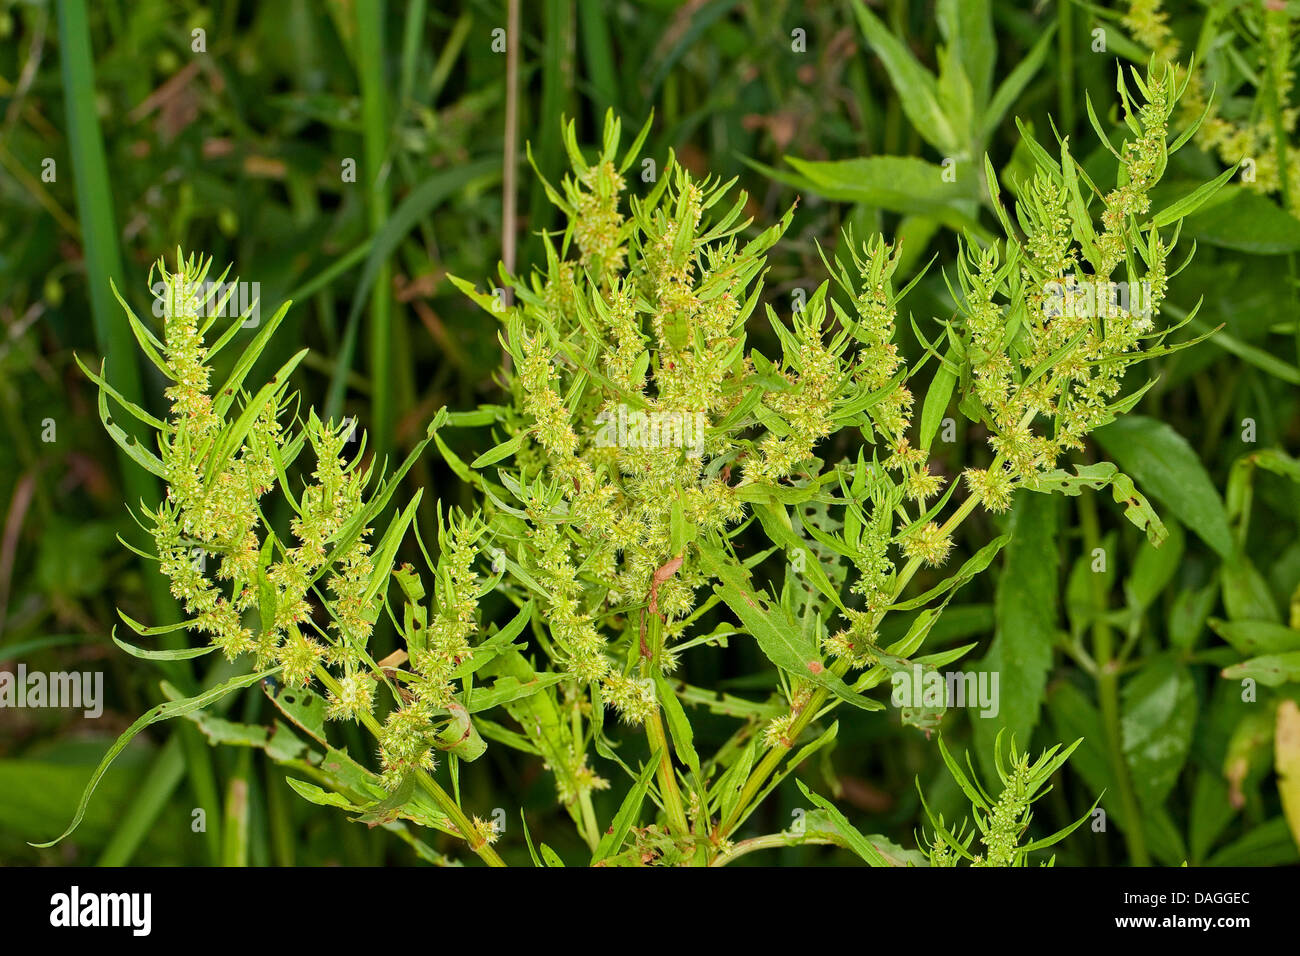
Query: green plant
646	445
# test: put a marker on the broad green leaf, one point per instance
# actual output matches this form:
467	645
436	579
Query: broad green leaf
1026	613
1253	638
1154	568
1245	220
1159	715
1269	844
1246	595
904	184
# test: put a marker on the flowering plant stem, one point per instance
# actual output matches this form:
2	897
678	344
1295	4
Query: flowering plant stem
1108	693
428	785
654	728
772	759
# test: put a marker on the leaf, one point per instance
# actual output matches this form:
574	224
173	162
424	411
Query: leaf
1246	221
1252	638
936	402
1100	475
414	207
138	453
1193	201
1272	670
904	184
776	523
1163	463
1017	82
1154	568
679	726
506	690
915	85
858	843
968	28
1158	717
974	565
1026	616
1246	595
301	705
1269	844
179	654
780	638
176	708
613	838
1286	761
550	856
503	450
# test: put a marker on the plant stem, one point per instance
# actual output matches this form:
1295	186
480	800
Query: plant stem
767	766
773	841
1108	693
654	730
429	785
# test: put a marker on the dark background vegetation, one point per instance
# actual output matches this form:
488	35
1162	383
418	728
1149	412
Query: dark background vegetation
236	152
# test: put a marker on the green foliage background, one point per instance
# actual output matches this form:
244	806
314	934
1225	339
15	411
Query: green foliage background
238	150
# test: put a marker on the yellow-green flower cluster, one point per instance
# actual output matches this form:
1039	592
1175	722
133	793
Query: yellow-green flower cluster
1049	328
1253	138
211	509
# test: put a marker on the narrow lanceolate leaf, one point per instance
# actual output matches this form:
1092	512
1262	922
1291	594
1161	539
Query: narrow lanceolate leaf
858	843
780	638
503	450
175	708
628	812
180	654
936	402
1193	201
976	563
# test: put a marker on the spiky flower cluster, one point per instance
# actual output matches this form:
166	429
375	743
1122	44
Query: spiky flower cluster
1252	137
1049	327
647	323
1002	822
218	467
308	599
